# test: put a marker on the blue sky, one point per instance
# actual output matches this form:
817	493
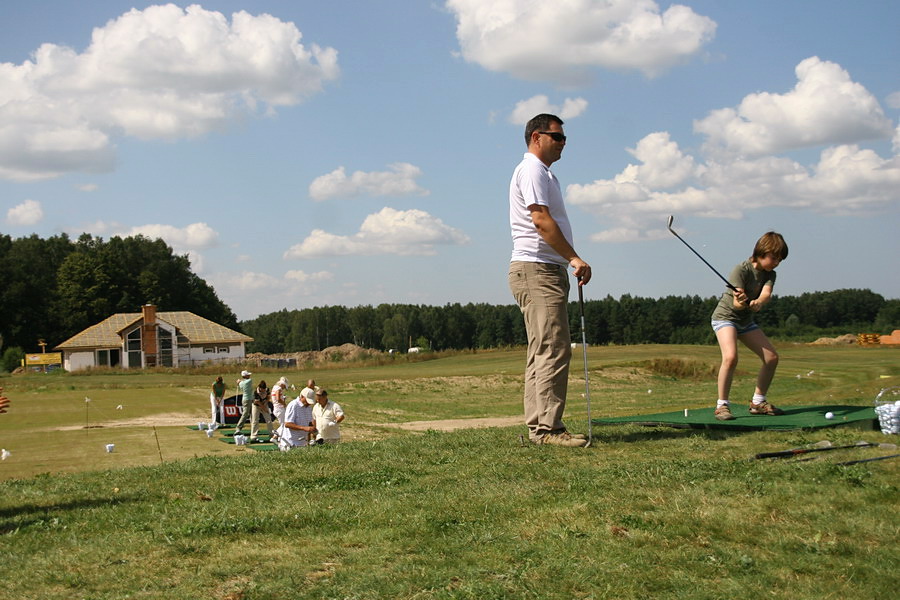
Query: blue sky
358	152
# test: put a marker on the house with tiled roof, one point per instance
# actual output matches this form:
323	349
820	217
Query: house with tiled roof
150	339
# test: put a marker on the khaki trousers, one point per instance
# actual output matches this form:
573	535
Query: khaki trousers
542	293
254	419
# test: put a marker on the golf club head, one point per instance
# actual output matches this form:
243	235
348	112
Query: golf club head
669	223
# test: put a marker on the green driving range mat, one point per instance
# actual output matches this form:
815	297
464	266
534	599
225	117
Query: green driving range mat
230	440
794	417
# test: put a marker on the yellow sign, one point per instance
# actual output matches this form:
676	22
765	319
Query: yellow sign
49	358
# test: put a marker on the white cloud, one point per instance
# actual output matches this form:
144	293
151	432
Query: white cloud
27	213
526	109
563	41
195	235
162	72
87	187
303	277
400	180
198	261
845	180
743	171
390	231
663	163
893	100
247	281
825	107
252	293
183	240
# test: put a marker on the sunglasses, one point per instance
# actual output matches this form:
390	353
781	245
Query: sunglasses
557	136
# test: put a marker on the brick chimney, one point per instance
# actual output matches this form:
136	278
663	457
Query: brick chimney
149	313
148	334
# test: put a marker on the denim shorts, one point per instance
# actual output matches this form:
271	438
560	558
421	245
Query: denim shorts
717	325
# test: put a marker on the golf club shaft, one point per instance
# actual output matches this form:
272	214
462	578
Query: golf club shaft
727	283
587	386
796	451
865	460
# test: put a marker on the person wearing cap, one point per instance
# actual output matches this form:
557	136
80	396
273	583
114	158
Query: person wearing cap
297	425
245	388
260	407
327	416
310	391
278	399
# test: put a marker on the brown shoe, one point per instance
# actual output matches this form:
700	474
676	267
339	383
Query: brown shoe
563	439
723	413
764	408
577	436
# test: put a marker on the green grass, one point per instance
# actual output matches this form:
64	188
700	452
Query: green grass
644	513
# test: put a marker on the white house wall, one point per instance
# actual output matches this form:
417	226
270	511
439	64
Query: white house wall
200	354
75	361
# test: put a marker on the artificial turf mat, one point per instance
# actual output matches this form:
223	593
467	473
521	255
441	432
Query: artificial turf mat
794	417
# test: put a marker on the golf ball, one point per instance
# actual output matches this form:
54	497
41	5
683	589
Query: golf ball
829	415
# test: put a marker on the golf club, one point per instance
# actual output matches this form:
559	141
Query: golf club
731	287
587	387
865	460
796	451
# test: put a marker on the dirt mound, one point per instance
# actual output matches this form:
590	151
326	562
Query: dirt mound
847	338
344	352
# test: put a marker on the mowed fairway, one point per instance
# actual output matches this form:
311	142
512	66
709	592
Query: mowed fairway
470	513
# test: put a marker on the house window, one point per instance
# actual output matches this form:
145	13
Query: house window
166	351
108	358
223	350
207	350
133	348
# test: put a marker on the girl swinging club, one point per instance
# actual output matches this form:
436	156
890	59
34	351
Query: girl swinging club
732	320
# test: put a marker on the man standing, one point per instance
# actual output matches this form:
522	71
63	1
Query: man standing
245	388
297	425
542	249
326	417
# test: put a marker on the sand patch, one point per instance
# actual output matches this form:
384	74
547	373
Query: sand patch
162	420
454	424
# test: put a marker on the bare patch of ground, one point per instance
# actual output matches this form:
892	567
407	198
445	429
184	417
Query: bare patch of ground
185	420
454	424
847	338
164	420
344	352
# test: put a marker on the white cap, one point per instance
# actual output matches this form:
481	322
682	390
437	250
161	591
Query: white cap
246	373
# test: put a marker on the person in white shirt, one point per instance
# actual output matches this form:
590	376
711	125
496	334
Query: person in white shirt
297	426
279	397
327	416
542	251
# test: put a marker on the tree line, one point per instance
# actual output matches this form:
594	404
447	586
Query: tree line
53	288
627	320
